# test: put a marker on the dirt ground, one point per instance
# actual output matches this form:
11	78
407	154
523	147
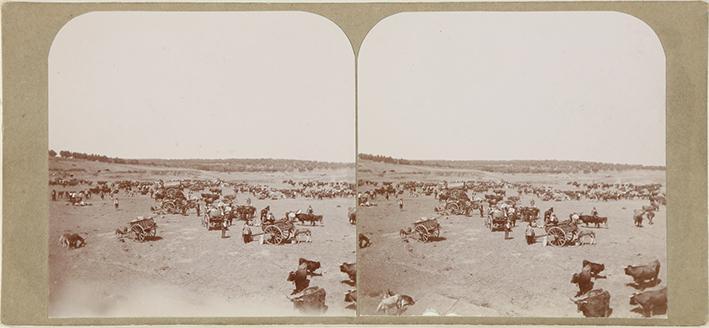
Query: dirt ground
474	272
189	271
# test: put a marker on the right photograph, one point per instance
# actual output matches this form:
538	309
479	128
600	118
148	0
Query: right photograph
512	164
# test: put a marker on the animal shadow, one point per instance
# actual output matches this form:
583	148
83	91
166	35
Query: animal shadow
655	311
439	238
644	285
153	238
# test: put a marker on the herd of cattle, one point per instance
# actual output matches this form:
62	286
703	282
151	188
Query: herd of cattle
596	302
504	210
181	196
220	210
576	191
311	299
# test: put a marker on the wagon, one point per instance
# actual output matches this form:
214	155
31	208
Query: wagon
564	233
277	232
496	221
213	219
139	229
423	229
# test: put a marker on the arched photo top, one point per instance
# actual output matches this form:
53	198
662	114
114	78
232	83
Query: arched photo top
528	78
227	76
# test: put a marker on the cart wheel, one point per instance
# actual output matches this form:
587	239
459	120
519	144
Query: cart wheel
169	206
139	233
558	236
452	207
423	233
273	235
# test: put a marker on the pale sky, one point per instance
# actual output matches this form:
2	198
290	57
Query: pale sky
501	86
203	85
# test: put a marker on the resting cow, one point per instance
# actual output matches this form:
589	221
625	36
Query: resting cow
299	279
595	268
350	269
351	297
309	266
71	240
643	274
583	280
595	304
650	300
396	302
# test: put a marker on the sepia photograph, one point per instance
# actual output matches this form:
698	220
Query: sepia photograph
512	164
201	164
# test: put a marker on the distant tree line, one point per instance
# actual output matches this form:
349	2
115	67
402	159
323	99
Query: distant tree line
517	166
248	165
91	157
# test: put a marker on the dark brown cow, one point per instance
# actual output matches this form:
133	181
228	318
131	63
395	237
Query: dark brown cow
650	301
595	304
299	279
596	220
583	280
312	218
350	269
309	266
643	274
595	268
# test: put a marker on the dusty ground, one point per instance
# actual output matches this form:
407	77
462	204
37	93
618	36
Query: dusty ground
475	272
188	271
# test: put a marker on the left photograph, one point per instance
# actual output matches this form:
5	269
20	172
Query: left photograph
201	164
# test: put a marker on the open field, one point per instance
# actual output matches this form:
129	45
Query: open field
475	272
188	271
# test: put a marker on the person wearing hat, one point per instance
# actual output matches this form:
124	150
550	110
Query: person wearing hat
310	209
508	228
530	234
401	204
246	234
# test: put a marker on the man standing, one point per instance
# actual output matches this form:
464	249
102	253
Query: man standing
198	209
225	228
54	195
246	234
401	204
508	228
529	234
115	202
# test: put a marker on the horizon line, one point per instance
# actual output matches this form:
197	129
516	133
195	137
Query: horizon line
664	166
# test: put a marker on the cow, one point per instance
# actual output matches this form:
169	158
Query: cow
312	218
351	297
309	266
299	279
650	301
311	300
71	240
350	269
638	217
595	268
596	220
397	302
644	274
583	280
595	304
